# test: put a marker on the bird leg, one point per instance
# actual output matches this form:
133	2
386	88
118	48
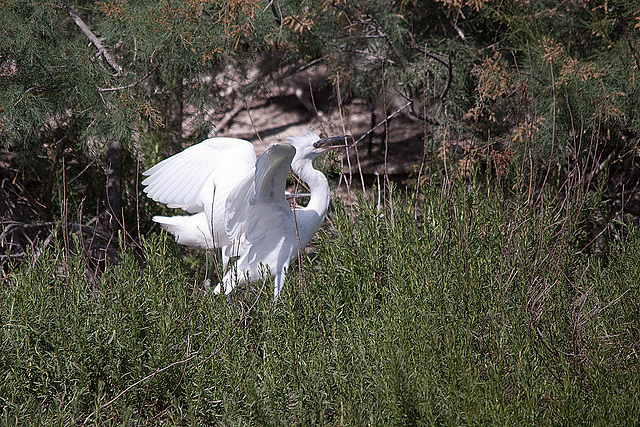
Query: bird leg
228	282
278	284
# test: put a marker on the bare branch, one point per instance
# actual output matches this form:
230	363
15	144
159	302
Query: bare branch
383	122
384	35
422	50
342	48
151	375
458	30
228	117
443	96
92	37
129	86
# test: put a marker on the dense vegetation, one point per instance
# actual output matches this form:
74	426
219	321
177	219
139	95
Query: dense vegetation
501	285
457	306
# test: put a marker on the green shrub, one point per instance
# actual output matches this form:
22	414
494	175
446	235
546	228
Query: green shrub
457	306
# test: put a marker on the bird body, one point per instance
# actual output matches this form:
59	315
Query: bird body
238	202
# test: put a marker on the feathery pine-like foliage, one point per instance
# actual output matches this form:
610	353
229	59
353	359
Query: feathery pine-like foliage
547	84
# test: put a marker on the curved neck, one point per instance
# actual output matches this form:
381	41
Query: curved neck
310	217
319	188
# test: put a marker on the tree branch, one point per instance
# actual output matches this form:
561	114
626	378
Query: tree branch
92	37
386	119
342	48
129	86
443	96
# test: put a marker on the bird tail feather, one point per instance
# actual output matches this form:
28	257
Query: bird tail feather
191	230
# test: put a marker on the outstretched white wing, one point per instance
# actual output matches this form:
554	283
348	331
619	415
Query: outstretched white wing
257	214
188	179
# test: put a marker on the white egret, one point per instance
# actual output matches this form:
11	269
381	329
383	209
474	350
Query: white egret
238	202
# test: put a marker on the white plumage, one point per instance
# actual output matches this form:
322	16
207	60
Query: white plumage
238	202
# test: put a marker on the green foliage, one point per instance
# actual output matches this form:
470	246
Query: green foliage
561	81
457	306
548	85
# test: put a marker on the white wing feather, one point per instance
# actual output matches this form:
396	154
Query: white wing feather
272	169
187	180
257	208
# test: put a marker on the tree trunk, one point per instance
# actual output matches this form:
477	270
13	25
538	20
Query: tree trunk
48	192
114	197
174	116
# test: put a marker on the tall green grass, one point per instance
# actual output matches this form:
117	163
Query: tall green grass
450	306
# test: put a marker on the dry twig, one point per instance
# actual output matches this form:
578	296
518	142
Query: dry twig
92	37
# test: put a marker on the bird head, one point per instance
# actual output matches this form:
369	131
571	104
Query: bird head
309	146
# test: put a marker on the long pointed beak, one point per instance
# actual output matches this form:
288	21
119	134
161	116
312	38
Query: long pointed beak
329	143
